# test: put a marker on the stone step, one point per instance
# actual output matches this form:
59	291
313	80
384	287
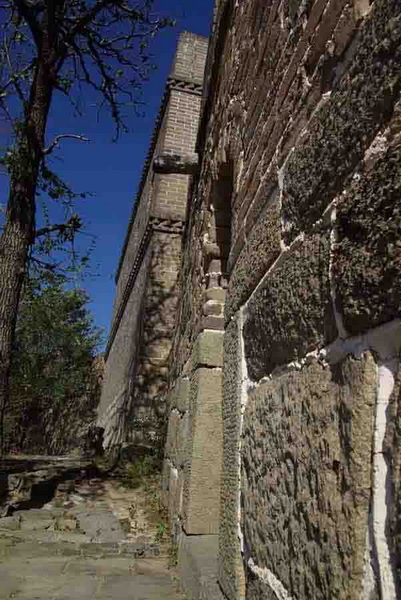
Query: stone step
51	543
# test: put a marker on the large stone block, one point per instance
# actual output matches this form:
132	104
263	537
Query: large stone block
231	577
307	478
208	350
179	394
203	461
261	248
347	122
367	261
291	313
197	565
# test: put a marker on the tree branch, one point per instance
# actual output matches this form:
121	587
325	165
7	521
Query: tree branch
65	229
85	20
29	16
60	228
57	139
43	264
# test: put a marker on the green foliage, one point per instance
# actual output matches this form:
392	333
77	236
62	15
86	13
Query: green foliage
162	531
140	473
54	351
48	48
55	340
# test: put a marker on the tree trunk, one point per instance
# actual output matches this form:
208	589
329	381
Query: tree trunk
14	245
19	228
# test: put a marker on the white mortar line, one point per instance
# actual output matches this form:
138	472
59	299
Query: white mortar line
243	403
369	579
334	352
287	249
216	331
270	579
381	480
333	292
177	411
247	385
385	342
285	225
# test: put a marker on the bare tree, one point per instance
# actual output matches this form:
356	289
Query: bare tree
50	46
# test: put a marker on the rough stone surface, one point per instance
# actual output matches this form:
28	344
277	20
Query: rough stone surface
261	248
367	262
203	463
299	116
257	589
179	395
347	123
291	312
392	452
307	476
230	562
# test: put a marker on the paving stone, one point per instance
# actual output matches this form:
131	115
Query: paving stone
41	564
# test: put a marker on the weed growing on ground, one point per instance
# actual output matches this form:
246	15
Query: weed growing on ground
173	555
140	472
162	530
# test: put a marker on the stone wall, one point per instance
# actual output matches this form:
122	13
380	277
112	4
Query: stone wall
282	323
290	295
131	405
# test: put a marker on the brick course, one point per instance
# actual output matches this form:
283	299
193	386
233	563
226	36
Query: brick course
147	292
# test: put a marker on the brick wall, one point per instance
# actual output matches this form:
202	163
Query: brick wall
302	123
131	406
190	58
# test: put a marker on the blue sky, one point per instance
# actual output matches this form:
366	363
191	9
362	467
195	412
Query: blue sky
111	171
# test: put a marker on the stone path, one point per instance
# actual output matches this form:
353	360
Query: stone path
91	541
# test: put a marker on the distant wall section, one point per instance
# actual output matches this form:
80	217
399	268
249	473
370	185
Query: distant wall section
131	405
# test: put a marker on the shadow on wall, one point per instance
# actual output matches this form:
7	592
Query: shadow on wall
137	416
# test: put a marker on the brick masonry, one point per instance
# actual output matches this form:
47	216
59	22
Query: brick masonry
132	402
284	361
